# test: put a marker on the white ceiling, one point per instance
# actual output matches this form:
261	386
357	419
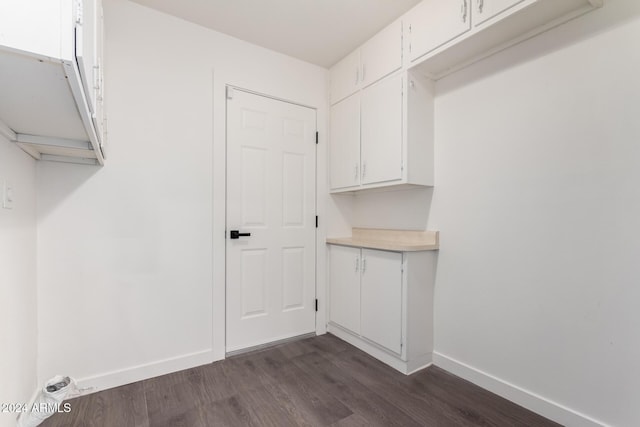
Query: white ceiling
317	31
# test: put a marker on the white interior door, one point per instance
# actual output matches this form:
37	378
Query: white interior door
271	161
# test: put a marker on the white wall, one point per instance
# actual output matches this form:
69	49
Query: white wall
405	209
131	256
18	280
537	199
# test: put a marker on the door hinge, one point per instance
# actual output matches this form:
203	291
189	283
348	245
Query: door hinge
316	221
316	304
316	137
229	92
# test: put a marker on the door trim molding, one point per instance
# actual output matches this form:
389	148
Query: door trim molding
275	98
270	344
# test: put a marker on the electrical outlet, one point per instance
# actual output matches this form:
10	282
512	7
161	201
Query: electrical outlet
7	196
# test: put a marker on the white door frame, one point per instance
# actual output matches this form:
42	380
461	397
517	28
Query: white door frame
219	208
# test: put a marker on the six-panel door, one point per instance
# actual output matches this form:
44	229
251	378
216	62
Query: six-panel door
271	196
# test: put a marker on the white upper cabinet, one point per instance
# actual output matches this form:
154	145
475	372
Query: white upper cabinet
484	10
433	23
345	77
88	49
381	127
52	51
380	56
383	101
382	136
99	115
344	140
447	35
35	26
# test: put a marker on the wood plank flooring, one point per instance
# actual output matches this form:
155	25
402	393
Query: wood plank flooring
319	381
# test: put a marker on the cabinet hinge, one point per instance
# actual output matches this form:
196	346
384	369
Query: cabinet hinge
316	304
317	137
79	12
316	221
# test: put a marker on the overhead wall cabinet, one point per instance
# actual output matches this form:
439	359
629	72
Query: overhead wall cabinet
381	295
446	35
382	136
378	57
51	79
381	95
381	131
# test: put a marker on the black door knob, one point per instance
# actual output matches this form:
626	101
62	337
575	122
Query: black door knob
235	234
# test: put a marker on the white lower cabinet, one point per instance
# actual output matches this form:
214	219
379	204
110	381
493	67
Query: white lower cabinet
382	302
344	301
381	298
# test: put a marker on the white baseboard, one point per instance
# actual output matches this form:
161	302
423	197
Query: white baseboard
532	401
384	356
133	374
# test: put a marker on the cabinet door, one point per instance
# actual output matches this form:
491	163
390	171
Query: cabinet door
98	84
382	54
344	282
86	27
382	131
484	10
344	143
345	77
433	23
381	298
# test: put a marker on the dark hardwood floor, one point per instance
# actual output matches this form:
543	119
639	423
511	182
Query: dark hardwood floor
320	381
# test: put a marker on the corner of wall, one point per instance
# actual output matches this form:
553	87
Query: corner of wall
18	319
